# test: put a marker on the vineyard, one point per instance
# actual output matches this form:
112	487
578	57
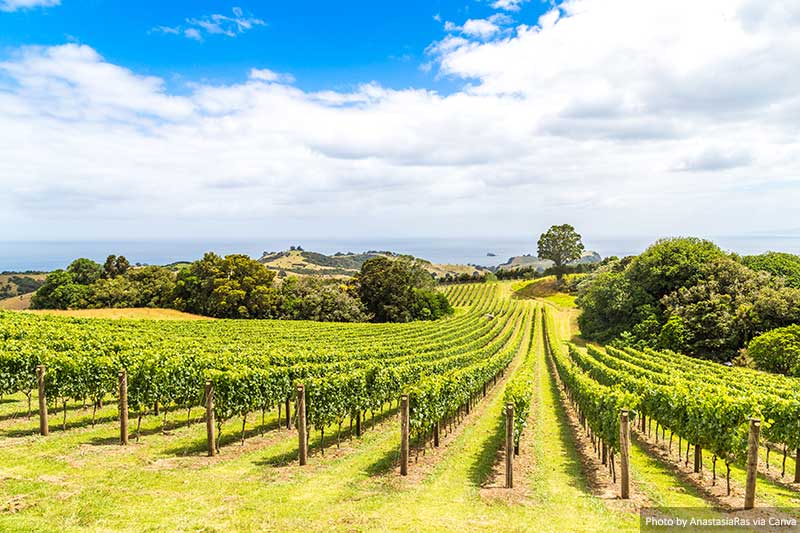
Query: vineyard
496	418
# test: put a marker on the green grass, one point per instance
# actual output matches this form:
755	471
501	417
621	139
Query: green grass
562	300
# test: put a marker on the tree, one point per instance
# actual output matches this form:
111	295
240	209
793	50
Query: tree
234	287
685	295
777	350
115	266
780	264
59	291
399	290
85	271
561	245
312	298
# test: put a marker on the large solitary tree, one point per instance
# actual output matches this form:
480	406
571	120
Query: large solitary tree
561	245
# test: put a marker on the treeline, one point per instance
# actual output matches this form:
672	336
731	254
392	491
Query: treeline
236	286
689	296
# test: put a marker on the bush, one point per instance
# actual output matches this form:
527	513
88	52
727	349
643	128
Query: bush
777	350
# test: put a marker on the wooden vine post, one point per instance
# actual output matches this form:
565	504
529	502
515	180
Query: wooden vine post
797	465
288	414
212	444
404	435
752	463
509	445
302	441
436	434
123	407
698	459
624	455
43	426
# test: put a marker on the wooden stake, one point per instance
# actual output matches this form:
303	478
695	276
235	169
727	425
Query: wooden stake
509	445
624	455
436	434
358	424
797	466
752	463
212	444
404	435
123	407
43	427
698	458
302	430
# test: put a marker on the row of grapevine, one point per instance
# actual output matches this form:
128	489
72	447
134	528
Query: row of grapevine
519	390
253	365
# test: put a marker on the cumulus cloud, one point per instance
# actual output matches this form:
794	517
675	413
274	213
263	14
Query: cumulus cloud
508	5
480	28
616	116
270	76
216	24
14	5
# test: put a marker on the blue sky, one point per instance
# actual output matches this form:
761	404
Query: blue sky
326	45
369	120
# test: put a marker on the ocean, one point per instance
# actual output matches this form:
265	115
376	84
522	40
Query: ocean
47	256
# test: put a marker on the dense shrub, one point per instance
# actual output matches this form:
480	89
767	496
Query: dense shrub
777	350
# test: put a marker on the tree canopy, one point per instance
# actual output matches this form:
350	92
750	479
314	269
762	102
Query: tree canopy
685	295
561	245
399	290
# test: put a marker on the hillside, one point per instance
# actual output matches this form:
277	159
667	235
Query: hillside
528	261
344	265
16	289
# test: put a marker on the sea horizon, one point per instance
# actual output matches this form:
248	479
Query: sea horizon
20	256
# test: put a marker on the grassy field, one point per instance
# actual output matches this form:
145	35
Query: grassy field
16	303
543	289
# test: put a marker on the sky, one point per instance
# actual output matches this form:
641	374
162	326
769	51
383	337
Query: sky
471	118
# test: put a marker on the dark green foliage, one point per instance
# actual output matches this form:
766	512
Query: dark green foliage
317	299
684	295
560	244
777	263
231	287
670	264
239	287
60	291
777	350
85	271
115	266
399	290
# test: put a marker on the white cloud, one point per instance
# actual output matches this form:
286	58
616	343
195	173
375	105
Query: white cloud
215	24
14	5
616	116
508	5
270	76
480	28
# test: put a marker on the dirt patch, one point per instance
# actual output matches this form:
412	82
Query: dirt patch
14	504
